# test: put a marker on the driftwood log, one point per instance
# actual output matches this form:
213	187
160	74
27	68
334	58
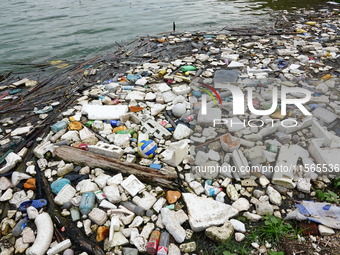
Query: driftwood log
162	178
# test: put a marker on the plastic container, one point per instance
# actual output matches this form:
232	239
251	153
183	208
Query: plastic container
89	123
75	215
114	123
57	185
211	190
134	208
188	116
118	129
19	227
152	245
125	88
87	202
115	101
128	131
163	244
59	126
100	195
187	68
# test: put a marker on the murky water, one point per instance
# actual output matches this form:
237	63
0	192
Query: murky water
34	31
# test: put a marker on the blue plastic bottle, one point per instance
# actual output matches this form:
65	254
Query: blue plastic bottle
19	227
87	202
114	123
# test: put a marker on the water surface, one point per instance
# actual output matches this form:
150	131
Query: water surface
35	31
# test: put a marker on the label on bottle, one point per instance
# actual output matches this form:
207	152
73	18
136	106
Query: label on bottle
162	250
152	245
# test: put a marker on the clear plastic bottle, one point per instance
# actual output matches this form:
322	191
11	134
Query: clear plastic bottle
163	244
188	116
59	126
134	208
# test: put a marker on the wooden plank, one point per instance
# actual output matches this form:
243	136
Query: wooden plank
148	175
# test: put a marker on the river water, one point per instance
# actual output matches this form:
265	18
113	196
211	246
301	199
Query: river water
36	31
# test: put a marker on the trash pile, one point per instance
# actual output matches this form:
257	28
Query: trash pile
134	164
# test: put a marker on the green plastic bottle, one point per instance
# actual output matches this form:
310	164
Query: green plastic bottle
188	68
128	131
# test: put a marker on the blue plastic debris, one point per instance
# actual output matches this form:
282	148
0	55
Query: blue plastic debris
156	166
132	78
323	213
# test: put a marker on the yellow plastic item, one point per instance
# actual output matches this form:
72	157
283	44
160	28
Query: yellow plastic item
162	73
75	125
311	23
326	77
300	31
120	128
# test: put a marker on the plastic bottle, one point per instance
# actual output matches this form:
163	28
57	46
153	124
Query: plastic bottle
89	123
163	244
19	227
120	128
152	245
115	101
211	190
87	202
187	68
128	131
114	123
59	126
128	88
134	208
188	116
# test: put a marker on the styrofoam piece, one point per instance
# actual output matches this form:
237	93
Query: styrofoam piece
21	130
320	132
206	212
241	163
106	149
287	159
132	185
42	148
98	216
104	112
114	225
17	177
327	156
290	129
135	95
44	235
59	247
146	202
172	221
65	195
181	89
11	160
175	153
156	129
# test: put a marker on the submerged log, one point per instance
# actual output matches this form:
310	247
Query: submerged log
162	178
